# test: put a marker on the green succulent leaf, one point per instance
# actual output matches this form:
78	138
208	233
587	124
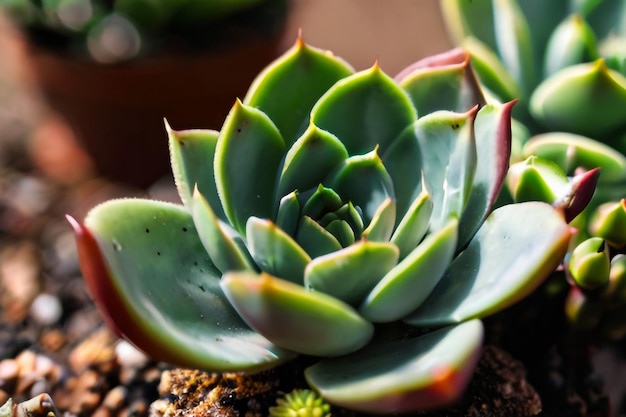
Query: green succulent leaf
465	19
572	42
247	156
589	263
307	322
537	179
449	161
406	286
413	225
490	274
381	227
364	181
322	201
351	273
402	376
572	151
295	81
191	154
514	40
275	252
310	159
365	110
224	245
609	222
492	132
588	99
288	215
442	82
315	239
342	231
165	298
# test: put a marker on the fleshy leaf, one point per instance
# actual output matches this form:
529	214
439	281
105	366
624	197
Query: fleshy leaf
310	159
442	82
365	110
247	185
381	227
295	81
314	239
449	161
517	247
275	252
609	222
322	201
589	263
414	224
465	18
588	99
407	285
349	274
572	42
288	215
572	151
342	231
165	298
364	181
402	376
192	153
304	321
225	247
492	131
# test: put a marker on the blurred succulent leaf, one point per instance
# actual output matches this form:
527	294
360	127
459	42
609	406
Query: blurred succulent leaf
406	286
617	280
583	310
492	128
309	160
381	227
349	274
221	242
589	263
310	322
191	155
572	151
490	275
442	82
404	375
295	81
364	181
365	110
572	42
588	99
274	251
609	222
467	19
165	298
247	186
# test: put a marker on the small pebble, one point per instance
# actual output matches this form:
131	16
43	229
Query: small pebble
46	309
115	398
130	356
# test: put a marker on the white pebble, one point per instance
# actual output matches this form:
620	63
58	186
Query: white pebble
46	309
130	356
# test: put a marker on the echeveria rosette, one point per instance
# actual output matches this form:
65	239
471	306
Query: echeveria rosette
323	209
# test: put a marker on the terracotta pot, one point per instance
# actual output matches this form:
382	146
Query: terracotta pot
117	111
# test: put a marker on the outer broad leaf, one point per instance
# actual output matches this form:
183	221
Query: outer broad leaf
275	252
247	157
365	110
192	153
402	376
442	82
406	286
492	130
381	227
349	274
165	298
307	322
517	247
295	81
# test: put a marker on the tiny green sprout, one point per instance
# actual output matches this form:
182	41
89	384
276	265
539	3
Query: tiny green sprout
300	403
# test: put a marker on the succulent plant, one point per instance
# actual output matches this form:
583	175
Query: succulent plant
327	219
111	31
568	67
300	403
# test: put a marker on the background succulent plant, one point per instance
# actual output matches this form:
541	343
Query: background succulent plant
566	61
326	218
